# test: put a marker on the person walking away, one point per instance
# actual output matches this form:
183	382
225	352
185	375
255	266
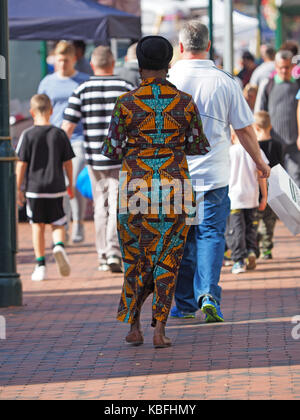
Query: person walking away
248	66
220	101
59	86
273	151
279	100
44	153
82	64
92	103
265	69
130	70
152	129
244	186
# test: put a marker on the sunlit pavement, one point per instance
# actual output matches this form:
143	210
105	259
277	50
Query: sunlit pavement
65	343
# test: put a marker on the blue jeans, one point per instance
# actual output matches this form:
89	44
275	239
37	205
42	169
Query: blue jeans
202	261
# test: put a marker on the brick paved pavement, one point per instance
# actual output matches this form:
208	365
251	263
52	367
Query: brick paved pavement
64	343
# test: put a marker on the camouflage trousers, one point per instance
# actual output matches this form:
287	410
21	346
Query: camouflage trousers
267	221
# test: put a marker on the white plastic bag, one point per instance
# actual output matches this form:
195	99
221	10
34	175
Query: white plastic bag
284	198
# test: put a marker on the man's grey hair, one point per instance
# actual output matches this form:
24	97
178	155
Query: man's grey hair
131	52
194	36
102	57
283	55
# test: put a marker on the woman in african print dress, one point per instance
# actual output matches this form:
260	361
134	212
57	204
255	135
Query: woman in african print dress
152	130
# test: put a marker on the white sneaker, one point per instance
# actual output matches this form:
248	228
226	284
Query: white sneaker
103	267
62	260
238	267
115	264
39	273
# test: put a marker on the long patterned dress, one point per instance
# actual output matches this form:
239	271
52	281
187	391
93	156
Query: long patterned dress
152	130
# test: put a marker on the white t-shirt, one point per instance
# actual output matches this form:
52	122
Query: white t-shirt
262	72
221	103
243	181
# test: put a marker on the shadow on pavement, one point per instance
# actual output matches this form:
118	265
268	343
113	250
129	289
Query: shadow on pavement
73	337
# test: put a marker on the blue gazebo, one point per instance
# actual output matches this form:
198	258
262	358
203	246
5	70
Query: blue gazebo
69	19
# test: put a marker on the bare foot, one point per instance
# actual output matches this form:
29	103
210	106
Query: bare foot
161	341
135	335
159	338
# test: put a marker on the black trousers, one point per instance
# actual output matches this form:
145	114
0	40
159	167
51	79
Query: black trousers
241	233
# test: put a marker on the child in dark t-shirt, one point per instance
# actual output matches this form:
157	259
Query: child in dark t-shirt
44	153
273	151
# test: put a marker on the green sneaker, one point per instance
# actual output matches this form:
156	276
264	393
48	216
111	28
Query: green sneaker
211	310
267	255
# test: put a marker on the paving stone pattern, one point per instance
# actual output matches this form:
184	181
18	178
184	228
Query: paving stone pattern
65	342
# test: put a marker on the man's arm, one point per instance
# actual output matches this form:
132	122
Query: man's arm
249	141
264	193
68	127
20	172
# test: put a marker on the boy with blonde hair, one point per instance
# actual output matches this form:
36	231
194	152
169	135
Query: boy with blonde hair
59	86
273	151
44	153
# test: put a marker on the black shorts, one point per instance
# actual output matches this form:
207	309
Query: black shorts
46	210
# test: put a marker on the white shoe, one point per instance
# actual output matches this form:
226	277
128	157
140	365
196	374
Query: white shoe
39	273
103	267
238	267
62	260
115	264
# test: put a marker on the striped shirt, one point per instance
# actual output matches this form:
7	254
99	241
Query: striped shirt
93	103
279	99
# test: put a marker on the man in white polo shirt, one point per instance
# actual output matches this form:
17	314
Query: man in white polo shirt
221	104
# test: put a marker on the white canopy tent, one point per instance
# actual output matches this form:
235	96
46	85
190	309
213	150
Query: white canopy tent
163	17
244	30
244	27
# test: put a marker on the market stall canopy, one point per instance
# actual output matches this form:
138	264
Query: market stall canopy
69	19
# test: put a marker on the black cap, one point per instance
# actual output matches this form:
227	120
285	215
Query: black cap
154	52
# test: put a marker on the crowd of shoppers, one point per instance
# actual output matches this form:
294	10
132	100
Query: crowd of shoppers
169	150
